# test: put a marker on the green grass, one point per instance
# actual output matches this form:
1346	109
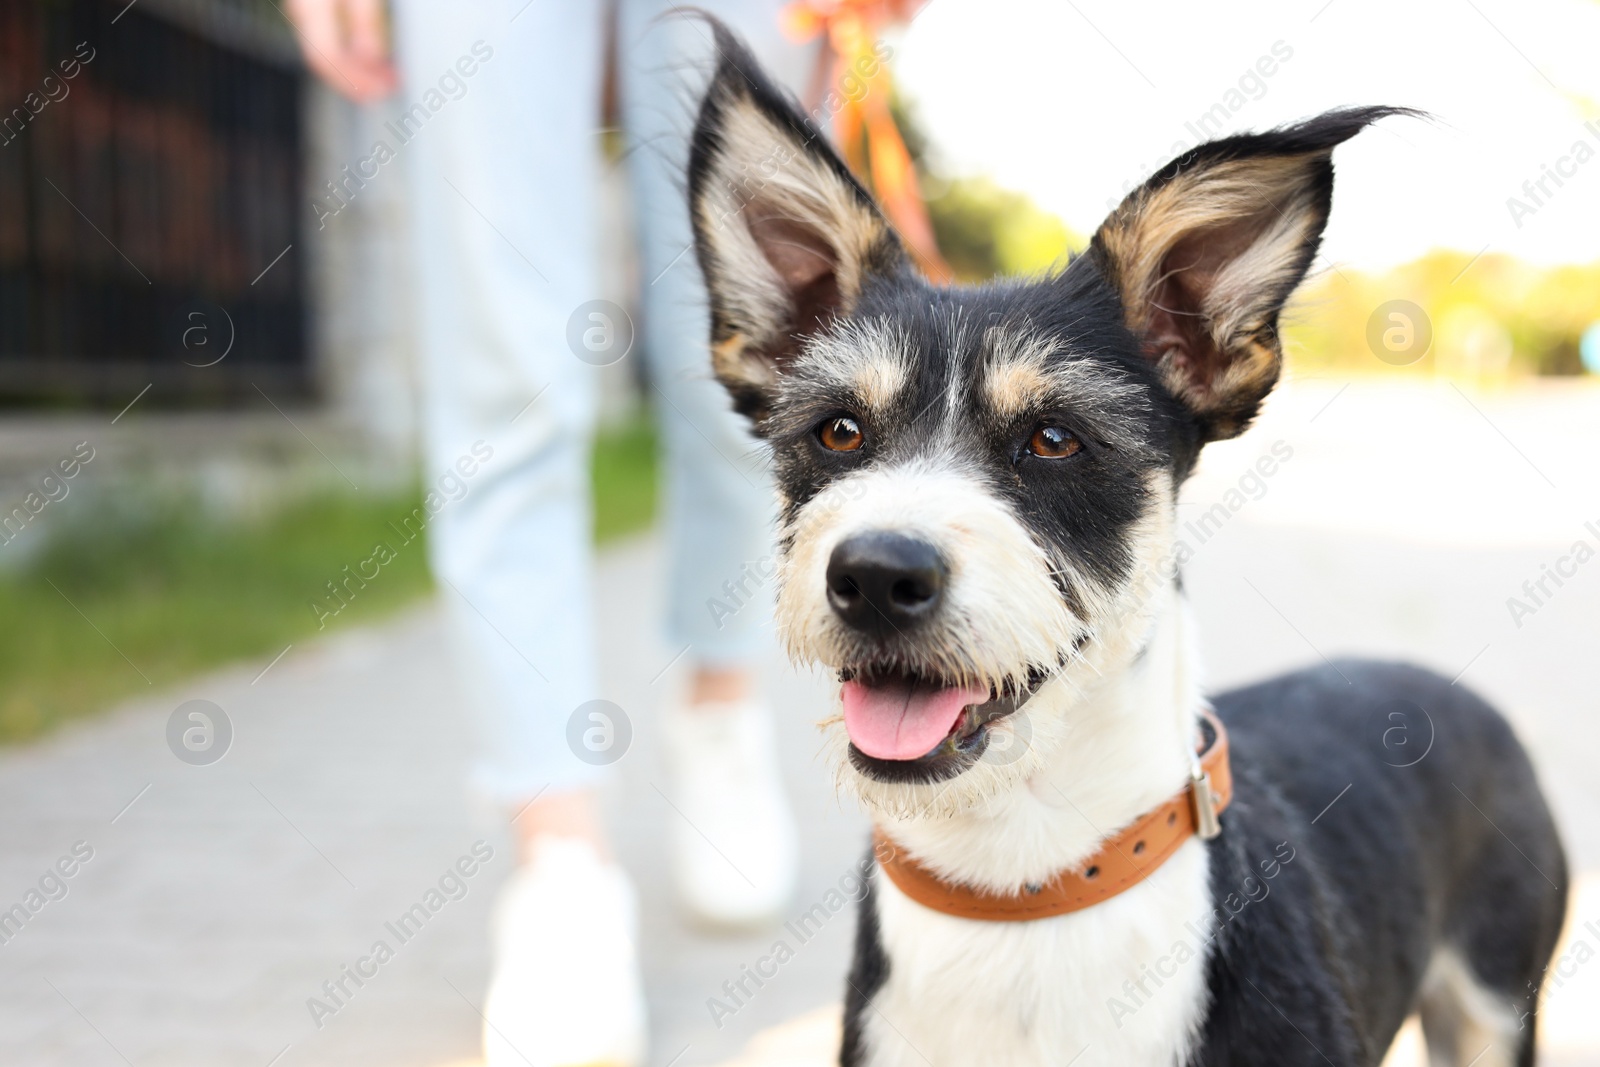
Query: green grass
623	473
137	593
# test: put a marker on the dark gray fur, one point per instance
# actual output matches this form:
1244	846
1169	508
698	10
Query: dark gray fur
1456	850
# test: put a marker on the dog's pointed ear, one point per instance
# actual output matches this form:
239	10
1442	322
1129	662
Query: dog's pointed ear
1205	254
786	237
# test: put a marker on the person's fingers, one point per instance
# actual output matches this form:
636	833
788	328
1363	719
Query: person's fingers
316	24
361	80
323	28
366	82
367	30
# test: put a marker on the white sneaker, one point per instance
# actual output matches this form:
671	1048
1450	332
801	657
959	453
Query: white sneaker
735	846
566	989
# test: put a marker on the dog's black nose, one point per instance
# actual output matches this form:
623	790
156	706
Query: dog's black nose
884	582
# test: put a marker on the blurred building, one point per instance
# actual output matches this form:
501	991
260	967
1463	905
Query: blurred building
151	171
158	163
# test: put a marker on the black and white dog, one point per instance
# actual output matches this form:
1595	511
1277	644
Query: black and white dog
978	490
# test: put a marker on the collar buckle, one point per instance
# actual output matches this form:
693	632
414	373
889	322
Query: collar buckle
1206	823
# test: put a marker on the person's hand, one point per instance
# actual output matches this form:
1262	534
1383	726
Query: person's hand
346	42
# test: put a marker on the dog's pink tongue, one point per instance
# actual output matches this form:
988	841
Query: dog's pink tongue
900	720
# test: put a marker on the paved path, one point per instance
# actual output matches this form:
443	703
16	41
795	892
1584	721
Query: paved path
219	898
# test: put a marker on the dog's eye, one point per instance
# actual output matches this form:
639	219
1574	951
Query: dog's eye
840	434
1052	442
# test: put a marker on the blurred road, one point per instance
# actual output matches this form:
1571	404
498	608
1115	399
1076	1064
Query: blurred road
218	899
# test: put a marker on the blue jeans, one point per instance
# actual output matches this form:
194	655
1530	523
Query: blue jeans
503	157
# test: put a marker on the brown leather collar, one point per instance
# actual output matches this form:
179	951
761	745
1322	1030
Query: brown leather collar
1126	859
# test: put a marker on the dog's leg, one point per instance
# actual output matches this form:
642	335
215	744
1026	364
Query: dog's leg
1467	1023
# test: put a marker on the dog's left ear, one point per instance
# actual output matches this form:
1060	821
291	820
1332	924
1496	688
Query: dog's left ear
1207	251
785	235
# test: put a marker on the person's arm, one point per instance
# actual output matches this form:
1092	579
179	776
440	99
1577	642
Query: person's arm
346	42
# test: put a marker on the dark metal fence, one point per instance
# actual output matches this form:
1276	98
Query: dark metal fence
150	180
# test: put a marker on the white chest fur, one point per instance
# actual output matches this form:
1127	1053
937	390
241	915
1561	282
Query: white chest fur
1120	983
1117	984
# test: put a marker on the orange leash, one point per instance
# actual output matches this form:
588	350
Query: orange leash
863	125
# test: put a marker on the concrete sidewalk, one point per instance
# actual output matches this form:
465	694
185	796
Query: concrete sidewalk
219	898
215	900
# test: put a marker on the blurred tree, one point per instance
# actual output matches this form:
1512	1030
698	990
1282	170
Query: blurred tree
1537	315
983	230
1493	315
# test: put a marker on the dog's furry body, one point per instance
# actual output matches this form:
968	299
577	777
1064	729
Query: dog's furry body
978	487
1279	942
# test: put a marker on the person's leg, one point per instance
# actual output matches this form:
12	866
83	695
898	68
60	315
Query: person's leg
502	148
739	864
502	184
719	500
